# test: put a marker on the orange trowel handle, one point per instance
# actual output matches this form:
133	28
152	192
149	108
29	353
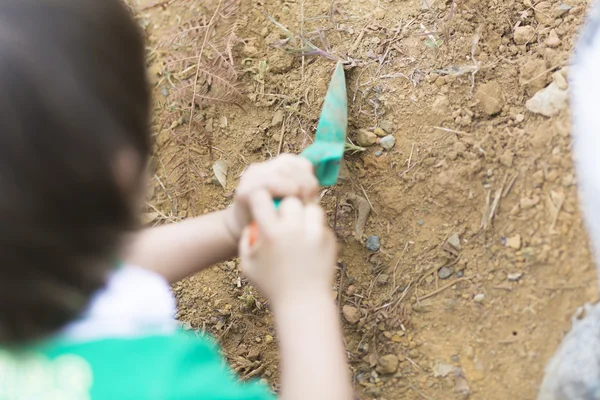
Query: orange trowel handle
253	233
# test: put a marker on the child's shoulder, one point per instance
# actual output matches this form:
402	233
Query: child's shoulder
126	346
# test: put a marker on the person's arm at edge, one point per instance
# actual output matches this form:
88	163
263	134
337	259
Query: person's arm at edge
178	250
314	363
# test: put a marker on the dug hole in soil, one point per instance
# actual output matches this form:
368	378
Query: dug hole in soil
463	254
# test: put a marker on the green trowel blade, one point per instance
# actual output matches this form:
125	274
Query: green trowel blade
327	151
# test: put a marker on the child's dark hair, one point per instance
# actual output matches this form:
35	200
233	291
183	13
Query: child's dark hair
73	96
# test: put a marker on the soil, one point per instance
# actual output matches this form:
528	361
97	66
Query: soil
483	257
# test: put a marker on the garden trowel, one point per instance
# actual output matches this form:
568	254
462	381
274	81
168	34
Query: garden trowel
327	151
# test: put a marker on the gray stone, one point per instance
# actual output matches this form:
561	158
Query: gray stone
373	243
445	272
388	142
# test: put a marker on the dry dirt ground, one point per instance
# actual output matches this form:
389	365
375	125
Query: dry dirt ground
483	257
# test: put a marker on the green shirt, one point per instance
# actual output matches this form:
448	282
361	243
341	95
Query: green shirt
122	350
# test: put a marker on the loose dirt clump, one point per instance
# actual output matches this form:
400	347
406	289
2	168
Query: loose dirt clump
481	257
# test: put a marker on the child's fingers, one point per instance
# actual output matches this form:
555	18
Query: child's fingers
283	186
292	212
292	161
264	212
245	247
301	171
307	182
314	219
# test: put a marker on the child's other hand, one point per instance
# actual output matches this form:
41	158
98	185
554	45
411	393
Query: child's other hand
295	253
285	176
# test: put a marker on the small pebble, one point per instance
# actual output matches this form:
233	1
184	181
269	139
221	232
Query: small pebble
277	118
373	243
524	34
378	153
420	222
351	314
387	126
454	241
479	298
519	118
561	10
379	13
460	274
165	92
380	132
490	98
365	138
507	158
527	203
388	364
351	290
513	242
515	276
445	273
388	142
553	41
383	279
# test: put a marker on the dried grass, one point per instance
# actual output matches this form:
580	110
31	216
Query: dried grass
199	67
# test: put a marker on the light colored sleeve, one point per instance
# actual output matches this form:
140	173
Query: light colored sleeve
135	302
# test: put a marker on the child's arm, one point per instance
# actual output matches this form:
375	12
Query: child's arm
293	263
179	250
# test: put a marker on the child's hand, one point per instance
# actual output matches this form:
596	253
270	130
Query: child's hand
285	176
295	254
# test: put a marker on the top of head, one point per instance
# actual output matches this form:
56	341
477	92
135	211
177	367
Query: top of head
73	95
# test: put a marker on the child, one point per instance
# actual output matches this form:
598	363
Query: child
86	310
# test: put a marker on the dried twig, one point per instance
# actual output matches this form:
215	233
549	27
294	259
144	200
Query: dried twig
452	131
198	67
157	4
428	295
411	154
367	198
281	137
341	285
511	182
302	33
495	203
